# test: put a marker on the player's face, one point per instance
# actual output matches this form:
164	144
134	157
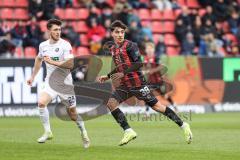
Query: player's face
118	35
150	51
55	32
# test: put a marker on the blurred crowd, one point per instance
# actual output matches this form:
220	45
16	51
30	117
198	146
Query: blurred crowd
201	35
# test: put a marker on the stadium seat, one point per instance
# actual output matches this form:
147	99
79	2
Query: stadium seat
21	14
172	51
6	13
43	25
81	27
84	40
21	3
231	37
226	27
181	2
193	4
30	52
7	3
70	14
76	4
169	15
169	27
178	12
82	13
157	27
156	38
156	14
201	12
82	51
18	52
60	13
144	14
170	40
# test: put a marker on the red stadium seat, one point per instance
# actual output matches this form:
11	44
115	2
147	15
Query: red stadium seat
178	12
18	52
6	13
181	2
144	14
30	52
193	4
43	25
81	27
84	40
82	51
8	3
201	12
173	51
21	14
70	14
170	40
21	3
156	14
169	27
82	13
156	38
157	27
169	15
226	27
76	4
231	37
60	13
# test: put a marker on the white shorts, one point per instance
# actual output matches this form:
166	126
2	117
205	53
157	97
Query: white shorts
68	100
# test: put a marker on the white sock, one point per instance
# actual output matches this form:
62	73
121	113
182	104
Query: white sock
128	130
184	125
80	124
44	117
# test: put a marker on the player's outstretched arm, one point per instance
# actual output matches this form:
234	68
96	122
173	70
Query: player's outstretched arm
36	68
67	64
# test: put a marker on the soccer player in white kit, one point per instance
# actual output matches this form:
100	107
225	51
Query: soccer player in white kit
55	52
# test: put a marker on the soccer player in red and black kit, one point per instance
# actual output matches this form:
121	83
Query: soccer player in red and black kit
128	64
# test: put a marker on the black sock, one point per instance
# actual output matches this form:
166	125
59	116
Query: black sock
173	116
120	118
147	108
170	100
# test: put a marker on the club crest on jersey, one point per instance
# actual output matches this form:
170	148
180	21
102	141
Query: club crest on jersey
57	49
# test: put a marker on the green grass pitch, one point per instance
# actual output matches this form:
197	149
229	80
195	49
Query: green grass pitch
216	136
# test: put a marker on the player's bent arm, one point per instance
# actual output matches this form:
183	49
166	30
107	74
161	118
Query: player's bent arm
68	64
37	66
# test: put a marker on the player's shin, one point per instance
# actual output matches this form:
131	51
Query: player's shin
120	118
44	117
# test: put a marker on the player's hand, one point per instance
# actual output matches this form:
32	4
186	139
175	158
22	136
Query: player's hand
117	76
30	81
102	79
48	60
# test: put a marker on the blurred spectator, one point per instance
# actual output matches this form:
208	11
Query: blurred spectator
7	48
193	15
5	27
162	4
219	32
132	16
19	33
233	22
188	45
134	33
95	35
138	4
92	15
175	5
220	10
209	27
147	31
214	46
65	3
197	30
70	34
121	12
47	9
205	3
106	16
34	8
106	39
34	34
185	17
100	3
180	30
160	47
209	15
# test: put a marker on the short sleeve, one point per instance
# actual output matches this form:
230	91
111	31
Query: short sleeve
67	52
40	51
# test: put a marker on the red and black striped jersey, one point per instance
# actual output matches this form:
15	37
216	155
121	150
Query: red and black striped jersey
125	56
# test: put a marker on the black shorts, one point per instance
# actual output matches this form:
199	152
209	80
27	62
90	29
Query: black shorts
122	93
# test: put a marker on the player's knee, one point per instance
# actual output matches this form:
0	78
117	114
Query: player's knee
41	104
159	107
72	114
112	104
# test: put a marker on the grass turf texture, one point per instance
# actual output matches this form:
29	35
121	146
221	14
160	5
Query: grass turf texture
216	136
